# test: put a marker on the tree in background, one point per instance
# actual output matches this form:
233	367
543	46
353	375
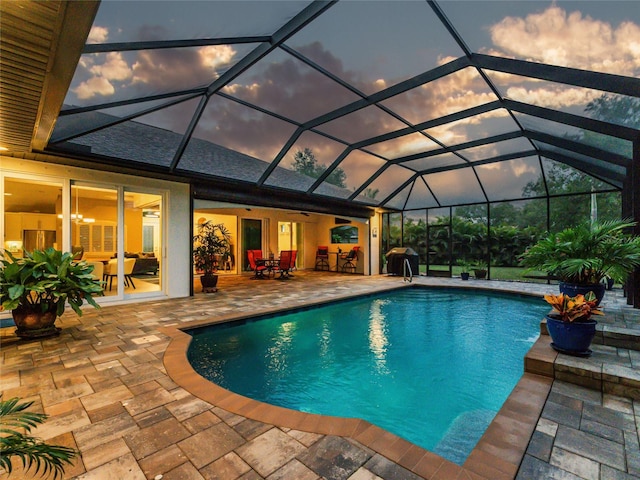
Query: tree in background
616	109
305	162
571	210
371	193
515	225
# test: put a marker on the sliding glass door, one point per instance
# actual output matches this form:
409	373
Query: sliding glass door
251	239
290	237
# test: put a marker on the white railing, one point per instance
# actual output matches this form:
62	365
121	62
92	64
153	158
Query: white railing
407	266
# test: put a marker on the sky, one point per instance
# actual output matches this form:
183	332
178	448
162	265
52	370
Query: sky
371	45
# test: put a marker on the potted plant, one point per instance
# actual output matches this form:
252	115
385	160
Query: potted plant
37	287
210	244
17	442
466	268
570	325
581	257
480	270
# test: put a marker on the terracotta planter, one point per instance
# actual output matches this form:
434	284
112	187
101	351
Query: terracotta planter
480	273
35	324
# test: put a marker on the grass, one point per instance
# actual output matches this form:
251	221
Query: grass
497	273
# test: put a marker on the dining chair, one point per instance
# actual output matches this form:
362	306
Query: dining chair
294	255
284	264
98	270
258	270
129	263
111	270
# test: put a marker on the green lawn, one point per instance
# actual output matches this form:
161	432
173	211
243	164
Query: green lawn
497	273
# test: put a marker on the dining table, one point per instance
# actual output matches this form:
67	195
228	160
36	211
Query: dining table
270	263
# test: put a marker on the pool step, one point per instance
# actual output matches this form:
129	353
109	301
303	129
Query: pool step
611	335
613	368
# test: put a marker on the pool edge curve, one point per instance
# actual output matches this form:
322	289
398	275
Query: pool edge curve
496	456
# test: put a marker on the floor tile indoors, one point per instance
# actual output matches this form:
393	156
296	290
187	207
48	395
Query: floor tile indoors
116	387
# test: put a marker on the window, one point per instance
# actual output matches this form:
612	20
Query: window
98	238
344	234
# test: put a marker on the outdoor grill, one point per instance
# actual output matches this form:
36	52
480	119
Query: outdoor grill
396	257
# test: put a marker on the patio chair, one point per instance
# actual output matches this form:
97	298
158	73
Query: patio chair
322	258
258	269
294	255
284	264
350	260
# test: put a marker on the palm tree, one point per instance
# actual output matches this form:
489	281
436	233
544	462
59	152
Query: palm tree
15	441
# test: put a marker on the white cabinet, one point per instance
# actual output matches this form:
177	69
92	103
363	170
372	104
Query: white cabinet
98	238
13	227
38	221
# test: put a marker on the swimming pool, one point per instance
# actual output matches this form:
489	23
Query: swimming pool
430	365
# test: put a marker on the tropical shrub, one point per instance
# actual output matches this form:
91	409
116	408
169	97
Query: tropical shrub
45	281
570	309
587	253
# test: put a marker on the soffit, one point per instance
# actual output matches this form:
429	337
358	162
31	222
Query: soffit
37	61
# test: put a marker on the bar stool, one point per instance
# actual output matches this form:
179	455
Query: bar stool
322	258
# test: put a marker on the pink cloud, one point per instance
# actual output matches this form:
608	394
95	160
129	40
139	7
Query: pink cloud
92	87
557	37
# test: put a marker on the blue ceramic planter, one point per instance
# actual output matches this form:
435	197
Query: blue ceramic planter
573	289
572	338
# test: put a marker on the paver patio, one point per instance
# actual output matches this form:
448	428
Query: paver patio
105	384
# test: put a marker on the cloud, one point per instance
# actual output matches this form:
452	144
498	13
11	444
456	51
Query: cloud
557	37
98	34
550	36
288	87
92	87
239	128
455	92
114	68
216	56
170	69
150	70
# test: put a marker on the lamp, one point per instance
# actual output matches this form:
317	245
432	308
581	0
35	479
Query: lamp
77	216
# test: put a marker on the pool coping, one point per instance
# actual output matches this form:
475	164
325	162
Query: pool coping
496	456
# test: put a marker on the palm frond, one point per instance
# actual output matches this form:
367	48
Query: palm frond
31	451
13	414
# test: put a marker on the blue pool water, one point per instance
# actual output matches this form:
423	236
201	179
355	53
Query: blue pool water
432	366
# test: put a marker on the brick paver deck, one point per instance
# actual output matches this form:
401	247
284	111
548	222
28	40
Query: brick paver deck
116	388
